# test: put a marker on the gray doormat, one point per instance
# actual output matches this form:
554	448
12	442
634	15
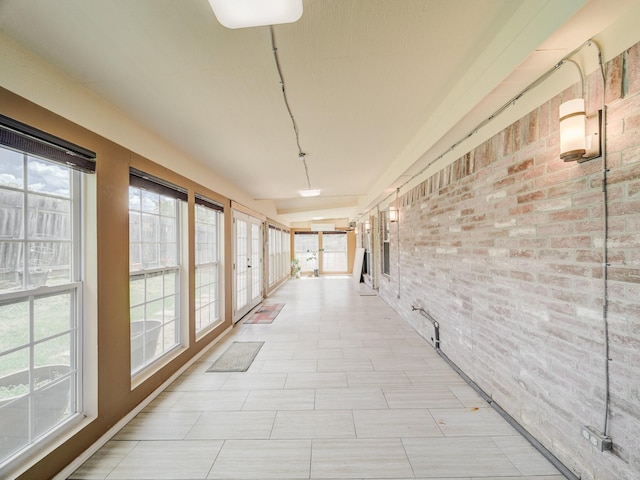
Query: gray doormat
237	358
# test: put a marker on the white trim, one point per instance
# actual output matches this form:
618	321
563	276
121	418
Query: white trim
84	456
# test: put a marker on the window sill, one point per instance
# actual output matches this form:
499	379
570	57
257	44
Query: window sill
142	376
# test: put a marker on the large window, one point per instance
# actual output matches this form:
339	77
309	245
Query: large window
154	265
40	290
207	292
334	251
279	254
306	250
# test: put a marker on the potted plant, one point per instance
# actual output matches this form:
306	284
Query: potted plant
295	268
313	257
49	395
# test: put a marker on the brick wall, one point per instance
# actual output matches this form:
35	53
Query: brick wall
504	249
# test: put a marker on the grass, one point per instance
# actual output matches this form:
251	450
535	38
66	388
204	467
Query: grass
51	316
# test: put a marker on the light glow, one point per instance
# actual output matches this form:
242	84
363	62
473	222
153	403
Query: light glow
256	13
309	192
572	130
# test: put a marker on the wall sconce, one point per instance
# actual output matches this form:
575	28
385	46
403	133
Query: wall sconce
356	230
367	226
393	214
579	134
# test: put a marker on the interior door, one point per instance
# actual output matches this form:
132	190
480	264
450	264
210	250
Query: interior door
247	265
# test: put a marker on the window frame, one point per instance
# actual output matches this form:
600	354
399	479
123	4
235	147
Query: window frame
34	145
328	253
386	243
164	190
203	202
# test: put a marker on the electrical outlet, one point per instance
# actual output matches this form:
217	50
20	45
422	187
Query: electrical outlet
599	440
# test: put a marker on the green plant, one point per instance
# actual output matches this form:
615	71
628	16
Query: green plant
295	267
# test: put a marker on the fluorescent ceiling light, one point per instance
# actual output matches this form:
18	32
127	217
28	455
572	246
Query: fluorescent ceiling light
309	193
256	13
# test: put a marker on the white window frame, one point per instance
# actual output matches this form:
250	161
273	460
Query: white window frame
327	253
216	265
148	337
31	293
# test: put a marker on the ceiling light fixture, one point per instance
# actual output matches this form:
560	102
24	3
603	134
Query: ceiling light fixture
309	192
256	13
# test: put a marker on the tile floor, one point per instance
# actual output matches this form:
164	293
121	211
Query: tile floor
343	388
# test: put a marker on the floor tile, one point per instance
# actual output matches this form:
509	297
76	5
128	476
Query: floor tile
314	424
467	396
435	378
270	459
280	400
318	354
255	381
286	366
465	422
172	460
164	402
350	399
345	365
316	380
158	426
420	397
199	382
395	423
377	378
211	401
527	459
376	458
104	460
232	425
343	388
457	457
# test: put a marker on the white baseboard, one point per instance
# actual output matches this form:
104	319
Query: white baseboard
84	456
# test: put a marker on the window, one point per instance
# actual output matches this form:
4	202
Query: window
305	243
207	289
334	251
386	268
273	257
154	266
286	252
279	254
41	285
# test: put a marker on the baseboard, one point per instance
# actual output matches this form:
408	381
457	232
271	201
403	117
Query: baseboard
84	456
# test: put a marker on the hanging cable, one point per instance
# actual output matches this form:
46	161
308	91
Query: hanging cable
605	170
495	114
605	249
301	154
570	60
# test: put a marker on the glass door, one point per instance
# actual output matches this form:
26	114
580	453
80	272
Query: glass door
247	265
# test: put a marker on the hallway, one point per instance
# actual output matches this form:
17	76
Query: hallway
342	388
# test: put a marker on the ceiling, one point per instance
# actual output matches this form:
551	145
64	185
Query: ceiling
375	86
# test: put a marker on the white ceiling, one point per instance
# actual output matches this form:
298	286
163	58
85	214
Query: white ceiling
373	84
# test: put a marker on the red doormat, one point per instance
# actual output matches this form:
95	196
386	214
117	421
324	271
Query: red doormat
265	313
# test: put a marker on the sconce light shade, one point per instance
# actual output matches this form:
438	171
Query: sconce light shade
367	226
572	130
393	214
256	13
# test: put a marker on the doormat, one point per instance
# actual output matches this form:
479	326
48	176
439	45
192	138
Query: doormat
237	358
265	314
